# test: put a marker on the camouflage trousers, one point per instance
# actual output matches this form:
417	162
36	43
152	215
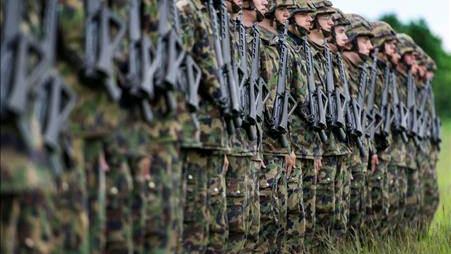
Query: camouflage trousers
342	196
70	215
378	194
217	167
309	182
413	196
273	205
397	188
195	224
430	192
95	166
26	223
253	223
155	200
27	188
358	197
295	212
238	201
119	198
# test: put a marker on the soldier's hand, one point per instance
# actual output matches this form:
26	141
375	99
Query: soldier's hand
374	162
317	165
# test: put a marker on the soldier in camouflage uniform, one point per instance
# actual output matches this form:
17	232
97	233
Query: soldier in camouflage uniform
27	180
94	118
303	144
409	178
252	13
385	41
305	141
335	150
276	149
429	158
206	224
343	176
356	56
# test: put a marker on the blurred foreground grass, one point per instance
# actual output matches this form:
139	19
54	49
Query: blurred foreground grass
438	239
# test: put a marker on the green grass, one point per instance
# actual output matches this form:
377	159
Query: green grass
438	239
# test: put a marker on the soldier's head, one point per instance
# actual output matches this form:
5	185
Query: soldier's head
384	38
302	16
431	67
323	16
234	6
339	36
359	34
259	6
280	11
407	49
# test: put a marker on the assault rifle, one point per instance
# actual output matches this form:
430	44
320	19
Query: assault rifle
335	98
18	73
100	46
373	118
386	107
423	117
284	103
59	98
142	65
412	107
317	100
170	54
400	111
351	119
228	98
263	94
436	122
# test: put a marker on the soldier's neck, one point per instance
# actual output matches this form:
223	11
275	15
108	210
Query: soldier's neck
267	24
333	47
249	18
353	57
316	36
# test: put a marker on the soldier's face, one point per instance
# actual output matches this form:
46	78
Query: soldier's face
325	21
303	20
408	59
364	45
261	6
422	71
429	75
238	2
395	58
390	47
282	14
340	36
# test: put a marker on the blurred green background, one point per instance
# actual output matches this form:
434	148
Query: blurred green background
433	46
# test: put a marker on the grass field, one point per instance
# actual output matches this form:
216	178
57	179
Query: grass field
438	239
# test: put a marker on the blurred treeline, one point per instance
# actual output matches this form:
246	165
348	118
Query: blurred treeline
432	45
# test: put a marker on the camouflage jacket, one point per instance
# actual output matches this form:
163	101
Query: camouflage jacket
304	139
197	37
240	143
354	72
383	154
399	148
333	146
269	58
24	161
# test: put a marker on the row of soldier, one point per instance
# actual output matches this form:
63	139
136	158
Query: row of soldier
209	126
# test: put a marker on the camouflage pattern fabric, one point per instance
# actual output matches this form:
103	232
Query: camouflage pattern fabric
217	203
196	216
273	205
309	181
237	201
273	180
